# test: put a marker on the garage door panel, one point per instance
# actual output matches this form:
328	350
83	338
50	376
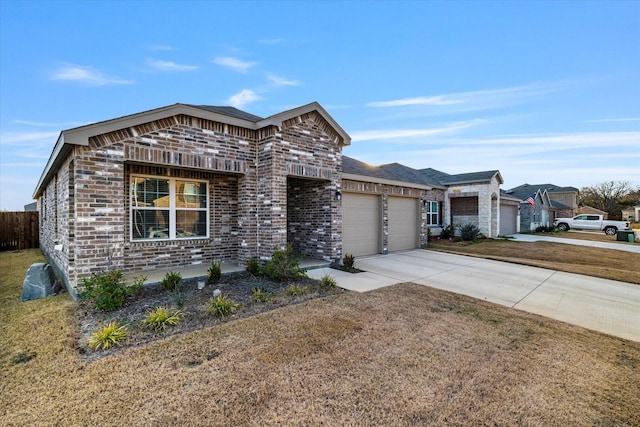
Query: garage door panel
360	224
508	220
403	223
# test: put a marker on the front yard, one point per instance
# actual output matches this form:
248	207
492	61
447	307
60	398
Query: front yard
402	355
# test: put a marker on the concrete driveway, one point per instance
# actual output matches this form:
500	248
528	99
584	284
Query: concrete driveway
599	304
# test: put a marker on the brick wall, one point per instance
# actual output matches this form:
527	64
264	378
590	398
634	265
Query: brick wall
247	171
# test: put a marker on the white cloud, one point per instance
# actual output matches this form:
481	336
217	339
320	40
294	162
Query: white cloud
242	98
370	135
234	63
475	100
618	120
160	47
86	75
281	81
16	138
170	66
271	41
47	124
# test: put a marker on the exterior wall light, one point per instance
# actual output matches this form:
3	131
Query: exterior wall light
338	195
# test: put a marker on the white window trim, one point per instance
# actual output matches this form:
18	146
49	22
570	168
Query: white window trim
171	209
430	213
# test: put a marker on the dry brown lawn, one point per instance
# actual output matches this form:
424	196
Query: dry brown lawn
404	355
597	262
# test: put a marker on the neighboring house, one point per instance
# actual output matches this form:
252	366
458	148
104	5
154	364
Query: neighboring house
556	202
631	214
392	206
31	207
591	210
182	185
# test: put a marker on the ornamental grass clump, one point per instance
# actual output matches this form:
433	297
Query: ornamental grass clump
108	336
221	306
214	272
160	318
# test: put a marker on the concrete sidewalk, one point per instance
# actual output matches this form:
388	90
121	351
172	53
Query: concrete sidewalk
603	305
536	237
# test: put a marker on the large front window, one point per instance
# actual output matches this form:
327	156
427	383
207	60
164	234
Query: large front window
432	213
168	208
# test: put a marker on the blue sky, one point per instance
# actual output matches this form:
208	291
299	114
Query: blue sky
544	91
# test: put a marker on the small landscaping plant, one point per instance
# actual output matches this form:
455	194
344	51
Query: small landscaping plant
448	231
253	266
214	272
283	265
295	290
470	231
328	282
171	281
108	336
262	294
160	317
108	290
222	307
349	262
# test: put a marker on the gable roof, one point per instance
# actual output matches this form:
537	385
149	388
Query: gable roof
525	190
404	174
229	115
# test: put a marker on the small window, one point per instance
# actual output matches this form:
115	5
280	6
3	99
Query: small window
432	213
168	209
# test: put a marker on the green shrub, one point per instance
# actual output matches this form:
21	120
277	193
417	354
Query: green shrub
214	272
253	266
469	231
160	317
448	231
544	229
295	290
328	282
262	294
283	266
107	289
221	306
108	336
349	261
171	281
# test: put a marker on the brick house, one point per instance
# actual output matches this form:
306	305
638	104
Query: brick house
181	185
184	184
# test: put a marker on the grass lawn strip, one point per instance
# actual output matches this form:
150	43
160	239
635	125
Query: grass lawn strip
402	355
597	262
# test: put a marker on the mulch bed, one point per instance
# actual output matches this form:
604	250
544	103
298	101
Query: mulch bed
237	287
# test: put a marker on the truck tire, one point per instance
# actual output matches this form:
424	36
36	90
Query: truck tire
563	227
610	231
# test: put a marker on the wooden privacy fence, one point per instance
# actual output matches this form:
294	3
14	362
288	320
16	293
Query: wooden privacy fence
19	230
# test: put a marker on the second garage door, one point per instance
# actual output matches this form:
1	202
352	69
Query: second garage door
360	224
403	223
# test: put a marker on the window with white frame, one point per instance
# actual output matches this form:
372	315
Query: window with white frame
432	213
168	208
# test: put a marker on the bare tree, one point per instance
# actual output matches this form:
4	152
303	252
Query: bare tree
606	195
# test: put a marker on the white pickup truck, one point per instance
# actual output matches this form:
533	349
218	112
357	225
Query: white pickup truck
590	222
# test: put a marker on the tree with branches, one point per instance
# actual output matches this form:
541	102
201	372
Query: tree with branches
609	196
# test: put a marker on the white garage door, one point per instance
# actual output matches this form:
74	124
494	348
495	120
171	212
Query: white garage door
508	220
360	224
403	223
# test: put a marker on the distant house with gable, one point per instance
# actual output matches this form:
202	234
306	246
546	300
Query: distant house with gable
541	204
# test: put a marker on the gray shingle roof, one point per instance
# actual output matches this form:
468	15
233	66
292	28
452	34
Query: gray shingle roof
398	172
525	190
230	111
